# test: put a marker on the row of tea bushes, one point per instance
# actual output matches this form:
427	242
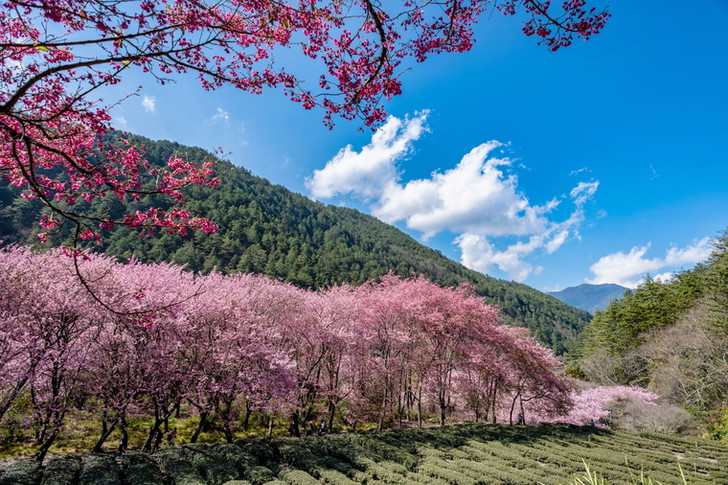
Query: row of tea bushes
471	454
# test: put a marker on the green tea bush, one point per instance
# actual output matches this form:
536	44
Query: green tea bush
387	472
263	450
140	469
297	477
209	464
23	472
178	469
334	477
235	456
62	470
294	452
438	469
425	479
257	475
100	470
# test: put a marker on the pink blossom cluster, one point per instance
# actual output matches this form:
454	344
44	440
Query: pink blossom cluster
592	405
123	340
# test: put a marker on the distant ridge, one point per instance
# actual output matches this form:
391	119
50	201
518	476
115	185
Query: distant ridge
590	297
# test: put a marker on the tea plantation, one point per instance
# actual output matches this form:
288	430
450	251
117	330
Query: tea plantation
457	455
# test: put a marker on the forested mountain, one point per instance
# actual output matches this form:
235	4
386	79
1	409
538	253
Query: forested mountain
590	297
265	228
670	337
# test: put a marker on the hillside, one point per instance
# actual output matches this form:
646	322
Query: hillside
590	297
266	228
464	455
671	337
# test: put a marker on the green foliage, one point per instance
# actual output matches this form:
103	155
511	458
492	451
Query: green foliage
717	285
621	327
100	470
235	456
265	228
209	464
179	470
23	472
258	475
718	428
140	469
297	477
63	470
672	337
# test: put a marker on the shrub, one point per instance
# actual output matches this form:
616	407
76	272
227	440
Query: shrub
635	415
263	450
235	456
100	470
179	470
210	464
24	472
140	469
298	477
62	470
257	475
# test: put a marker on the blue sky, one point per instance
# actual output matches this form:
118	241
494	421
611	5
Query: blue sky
600	163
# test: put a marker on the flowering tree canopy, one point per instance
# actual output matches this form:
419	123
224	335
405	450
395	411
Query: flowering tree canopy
55	54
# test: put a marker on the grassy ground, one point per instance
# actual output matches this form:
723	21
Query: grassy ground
454	455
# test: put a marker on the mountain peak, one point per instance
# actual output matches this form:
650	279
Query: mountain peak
590	297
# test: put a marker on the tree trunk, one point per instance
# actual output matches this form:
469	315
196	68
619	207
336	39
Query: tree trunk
11	396
295	425
513	406
493	402
105	433
246	420
45	446
443	407
419	408
198	430
270	425
332	412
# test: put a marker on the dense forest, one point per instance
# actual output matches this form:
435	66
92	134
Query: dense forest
671	337
265	228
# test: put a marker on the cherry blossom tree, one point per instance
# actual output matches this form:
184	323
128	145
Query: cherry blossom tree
225	350
208	345
55	55
49	325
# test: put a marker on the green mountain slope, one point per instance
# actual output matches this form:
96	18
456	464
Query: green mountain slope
671	337
268	229
590	297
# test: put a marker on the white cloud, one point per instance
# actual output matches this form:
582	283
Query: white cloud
663	277
577	172
220	116
149	103
478	199
365	173
479	254
583	192
629	269
121	122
